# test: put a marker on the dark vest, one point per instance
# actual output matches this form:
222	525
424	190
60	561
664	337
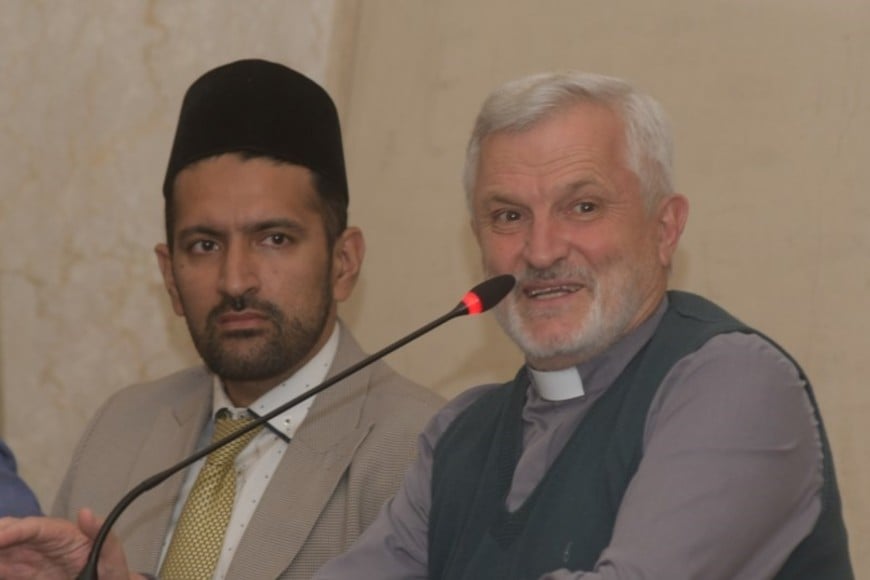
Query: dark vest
568	519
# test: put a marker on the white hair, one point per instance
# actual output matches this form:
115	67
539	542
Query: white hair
519	104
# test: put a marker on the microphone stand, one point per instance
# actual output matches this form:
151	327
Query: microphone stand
480	298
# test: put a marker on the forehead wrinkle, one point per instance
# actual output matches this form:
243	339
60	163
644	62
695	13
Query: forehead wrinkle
527	153
561	176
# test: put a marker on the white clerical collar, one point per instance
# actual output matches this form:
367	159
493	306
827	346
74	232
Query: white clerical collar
310	375
558	385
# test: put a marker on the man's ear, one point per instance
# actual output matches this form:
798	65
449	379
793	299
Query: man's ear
672	213
347	257
164	260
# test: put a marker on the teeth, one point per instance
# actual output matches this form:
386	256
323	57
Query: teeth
550	291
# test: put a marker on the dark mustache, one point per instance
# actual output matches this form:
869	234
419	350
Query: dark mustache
243	302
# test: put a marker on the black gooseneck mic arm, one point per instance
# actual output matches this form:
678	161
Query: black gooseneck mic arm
479	299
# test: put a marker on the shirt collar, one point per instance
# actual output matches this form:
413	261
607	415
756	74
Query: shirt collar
310	375
558	385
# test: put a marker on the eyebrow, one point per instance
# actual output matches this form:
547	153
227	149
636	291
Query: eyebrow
275	224
252	228
577	186
499	196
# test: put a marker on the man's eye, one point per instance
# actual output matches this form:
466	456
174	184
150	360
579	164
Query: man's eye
585	207
203	246
507	216
277	239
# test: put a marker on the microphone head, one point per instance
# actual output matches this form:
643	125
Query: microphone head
487	294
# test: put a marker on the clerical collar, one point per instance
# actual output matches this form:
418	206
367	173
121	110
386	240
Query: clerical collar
558	385
595	375
310	375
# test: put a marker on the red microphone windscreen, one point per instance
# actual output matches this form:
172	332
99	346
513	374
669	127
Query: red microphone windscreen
488	293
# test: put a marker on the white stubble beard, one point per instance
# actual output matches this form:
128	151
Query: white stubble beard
597	330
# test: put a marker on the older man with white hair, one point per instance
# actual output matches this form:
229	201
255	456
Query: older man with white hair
650	434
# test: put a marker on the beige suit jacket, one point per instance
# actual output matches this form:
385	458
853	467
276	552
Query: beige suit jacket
346	459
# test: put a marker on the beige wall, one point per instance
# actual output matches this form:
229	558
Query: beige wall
770	102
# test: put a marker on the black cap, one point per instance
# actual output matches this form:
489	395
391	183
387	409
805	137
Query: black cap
262	108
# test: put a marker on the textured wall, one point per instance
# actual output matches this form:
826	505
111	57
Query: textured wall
89	97
770	101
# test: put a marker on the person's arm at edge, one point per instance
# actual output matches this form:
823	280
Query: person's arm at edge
732	417
16	497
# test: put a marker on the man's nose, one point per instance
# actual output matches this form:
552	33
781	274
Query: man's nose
546	243
239	271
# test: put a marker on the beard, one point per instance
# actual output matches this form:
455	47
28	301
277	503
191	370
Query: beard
613	305
256	355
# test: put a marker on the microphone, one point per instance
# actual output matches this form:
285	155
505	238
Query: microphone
477	300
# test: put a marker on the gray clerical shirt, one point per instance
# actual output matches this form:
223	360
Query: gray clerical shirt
733	416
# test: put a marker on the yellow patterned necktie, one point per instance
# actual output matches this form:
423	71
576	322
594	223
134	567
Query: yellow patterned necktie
199	534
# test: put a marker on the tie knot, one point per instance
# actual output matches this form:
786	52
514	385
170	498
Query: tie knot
225	424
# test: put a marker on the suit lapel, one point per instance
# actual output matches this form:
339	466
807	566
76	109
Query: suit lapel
173	437
308	474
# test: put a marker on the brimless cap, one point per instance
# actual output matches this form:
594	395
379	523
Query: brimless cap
262	108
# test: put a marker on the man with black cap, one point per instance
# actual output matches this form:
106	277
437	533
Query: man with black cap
258	254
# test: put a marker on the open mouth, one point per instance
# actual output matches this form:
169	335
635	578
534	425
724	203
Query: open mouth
549	292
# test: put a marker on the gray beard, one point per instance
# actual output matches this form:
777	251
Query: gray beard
598	331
